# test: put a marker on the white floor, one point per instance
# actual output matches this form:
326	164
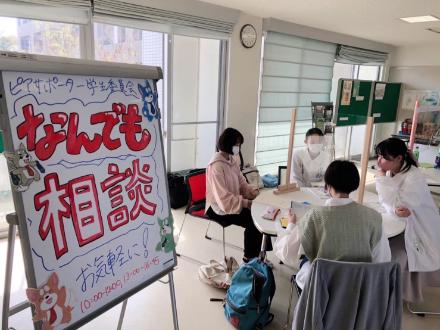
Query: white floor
151	308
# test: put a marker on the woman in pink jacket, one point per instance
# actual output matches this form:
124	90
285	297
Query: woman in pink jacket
228	195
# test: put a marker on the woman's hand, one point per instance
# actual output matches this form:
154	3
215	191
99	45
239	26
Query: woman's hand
402	212
255	193
291	216
247	204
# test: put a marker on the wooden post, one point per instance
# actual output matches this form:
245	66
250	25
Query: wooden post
289	186
365	158
412	137
291	141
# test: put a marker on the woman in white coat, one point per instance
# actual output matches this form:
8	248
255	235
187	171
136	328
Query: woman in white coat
403	191
309	164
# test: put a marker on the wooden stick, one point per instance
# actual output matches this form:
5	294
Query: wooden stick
291	141
412	137
288	187
365	158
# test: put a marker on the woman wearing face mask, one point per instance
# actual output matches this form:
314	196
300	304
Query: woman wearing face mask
310	163
342	230
228	195
403	191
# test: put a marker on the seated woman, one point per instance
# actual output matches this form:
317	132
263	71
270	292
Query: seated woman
403	191
228	195
310	163
342	230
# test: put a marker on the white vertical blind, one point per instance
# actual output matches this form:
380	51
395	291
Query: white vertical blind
296	72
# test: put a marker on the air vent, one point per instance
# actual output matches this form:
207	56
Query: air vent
435	30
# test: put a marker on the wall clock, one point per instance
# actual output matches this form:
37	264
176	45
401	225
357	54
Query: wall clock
248	36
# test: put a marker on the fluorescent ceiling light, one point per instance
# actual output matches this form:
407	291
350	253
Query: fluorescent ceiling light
419	19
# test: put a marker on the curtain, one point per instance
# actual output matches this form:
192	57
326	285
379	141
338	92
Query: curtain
296	71
353	55
158	13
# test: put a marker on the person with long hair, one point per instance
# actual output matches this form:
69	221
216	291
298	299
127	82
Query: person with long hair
403	191
228	196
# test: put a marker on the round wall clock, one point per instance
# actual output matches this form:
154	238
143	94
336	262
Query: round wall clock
248	36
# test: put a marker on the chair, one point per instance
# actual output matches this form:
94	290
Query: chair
348	295
196	183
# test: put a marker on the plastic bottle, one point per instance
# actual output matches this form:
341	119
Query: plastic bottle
417	153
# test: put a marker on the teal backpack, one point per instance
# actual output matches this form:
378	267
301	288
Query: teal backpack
249	297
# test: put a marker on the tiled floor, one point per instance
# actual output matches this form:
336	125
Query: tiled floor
151	308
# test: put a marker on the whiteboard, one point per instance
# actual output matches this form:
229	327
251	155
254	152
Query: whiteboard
85	159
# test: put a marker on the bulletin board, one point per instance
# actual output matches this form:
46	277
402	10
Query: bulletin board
352	102
85	156
385	101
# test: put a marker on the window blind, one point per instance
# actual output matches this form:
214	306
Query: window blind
353	55
296	71
155	12
67	3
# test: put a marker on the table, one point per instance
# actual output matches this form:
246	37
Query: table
432	176
393	225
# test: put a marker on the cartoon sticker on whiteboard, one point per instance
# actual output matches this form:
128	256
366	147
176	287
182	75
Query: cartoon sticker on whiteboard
150	110
50	303
23	170
166	243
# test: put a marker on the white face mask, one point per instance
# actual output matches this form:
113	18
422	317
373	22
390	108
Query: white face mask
315	148
235	150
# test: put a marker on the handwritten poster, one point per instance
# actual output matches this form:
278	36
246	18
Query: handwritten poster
87	160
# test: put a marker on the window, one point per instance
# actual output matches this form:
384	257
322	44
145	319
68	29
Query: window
38	42
121	34
40	37
195	106
296	72
349	140
131	46
25	43
195	113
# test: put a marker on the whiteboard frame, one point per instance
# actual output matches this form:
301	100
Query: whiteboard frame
48	64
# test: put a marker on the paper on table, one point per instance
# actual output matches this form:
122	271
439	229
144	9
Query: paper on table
319	192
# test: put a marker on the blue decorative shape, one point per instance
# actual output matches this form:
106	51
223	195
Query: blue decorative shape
150	109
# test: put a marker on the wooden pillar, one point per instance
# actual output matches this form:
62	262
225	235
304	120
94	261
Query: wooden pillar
365	158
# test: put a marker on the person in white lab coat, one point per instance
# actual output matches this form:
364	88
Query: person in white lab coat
341	230
403	191
309	163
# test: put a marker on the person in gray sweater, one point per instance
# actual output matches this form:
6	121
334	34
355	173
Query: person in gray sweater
342	230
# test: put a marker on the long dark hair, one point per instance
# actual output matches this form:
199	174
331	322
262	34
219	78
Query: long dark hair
392	148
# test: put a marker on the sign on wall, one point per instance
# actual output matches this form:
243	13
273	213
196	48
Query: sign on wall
87	160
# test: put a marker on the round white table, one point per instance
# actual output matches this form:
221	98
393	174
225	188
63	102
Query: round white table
393	225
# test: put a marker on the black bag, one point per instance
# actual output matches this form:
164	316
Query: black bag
178	190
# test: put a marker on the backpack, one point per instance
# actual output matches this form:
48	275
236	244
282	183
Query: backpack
249	297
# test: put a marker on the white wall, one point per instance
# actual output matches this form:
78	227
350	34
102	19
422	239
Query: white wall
417	67
243	85
417	55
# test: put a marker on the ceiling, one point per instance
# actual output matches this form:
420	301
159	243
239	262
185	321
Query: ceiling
377	20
